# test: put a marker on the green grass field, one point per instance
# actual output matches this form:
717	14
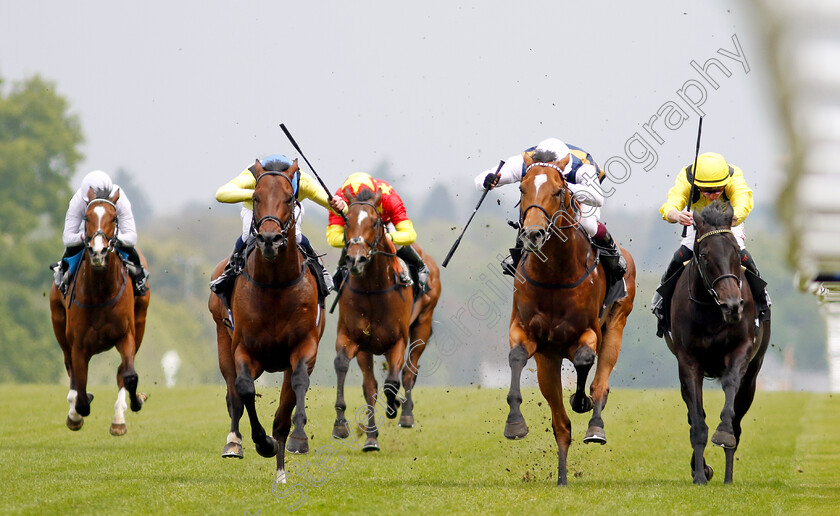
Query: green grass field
455	461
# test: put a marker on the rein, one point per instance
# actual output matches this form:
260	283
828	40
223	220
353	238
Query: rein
372	249
104	303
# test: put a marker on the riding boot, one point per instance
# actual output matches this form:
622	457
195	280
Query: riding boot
340	271
411	257
749	264
510	263
223	285
614	263
139	274
61	274
682	255
325	281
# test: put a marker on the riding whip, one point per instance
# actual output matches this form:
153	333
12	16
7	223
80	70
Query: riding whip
295	145
483	195
693	173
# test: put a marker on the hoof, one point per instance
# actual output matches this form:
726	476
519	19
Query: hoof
407	421
118	429
137	404
75	425
340	430
709	472
595	435
268	448
724	439
233	450
371	445
517	430
297	445
580	403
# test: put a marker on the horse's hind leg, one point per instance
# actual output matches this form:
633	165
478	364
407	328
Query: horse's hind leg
600	387
265	444
283	424
298	442
515	426
583	360
419	337
551	386
80	405
395	357
126	375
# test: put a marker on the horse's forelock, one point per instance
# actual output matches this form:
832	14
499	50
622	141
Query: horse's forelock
718	214
365	194
544	156
101	193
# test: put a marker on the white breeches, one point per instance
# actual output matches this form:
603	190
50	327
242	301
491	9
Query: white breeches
738	231
247	216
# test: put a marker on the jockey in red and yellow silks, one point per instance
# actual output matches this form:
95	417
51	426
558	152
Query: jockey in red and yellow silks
392	211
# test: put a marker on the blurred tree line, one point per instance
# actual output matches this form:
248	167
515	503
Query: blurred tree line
39	153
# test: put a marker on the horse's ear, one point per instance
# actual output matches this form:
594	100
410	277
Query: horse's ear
348	194
292	169
91	195
565	161
529	158
116	197
377	197
258	168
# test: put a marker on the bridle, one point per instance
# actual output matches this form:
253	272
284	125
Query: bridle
552	219
372	247
256	224
112	241
710	285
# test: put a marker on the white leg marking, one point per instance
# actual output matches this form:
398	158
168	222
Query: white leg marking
231	438
119	408
281	477
71	399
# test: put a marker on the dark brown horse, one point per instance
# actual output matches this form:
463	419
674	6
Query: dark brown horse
277	323
376	317
714	334
100	312
557	307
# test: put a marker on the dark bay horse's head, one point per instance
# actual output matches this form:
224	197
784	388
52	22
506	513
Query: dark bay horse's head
718	258
274	207
546	202
363	230
101	226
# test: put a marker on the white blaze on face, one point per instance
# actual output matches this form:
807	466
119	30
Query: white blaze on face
539	181
362	216
99	242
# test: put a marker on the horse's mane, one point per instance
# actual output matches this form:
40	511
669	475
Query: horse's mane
365	194
718	214
544	156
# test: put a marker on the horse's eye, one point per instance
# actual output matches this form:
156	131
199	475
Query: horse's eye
255	199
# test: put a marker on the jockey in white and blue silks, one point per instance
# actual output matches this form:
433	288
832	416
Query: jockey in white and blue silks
73	236
583	177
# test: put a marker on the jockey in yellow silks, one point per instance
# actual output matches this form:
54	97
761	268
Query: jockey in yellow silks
241	189
714	178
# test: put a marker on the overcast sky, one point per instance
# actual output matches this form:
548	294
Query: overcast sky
185	94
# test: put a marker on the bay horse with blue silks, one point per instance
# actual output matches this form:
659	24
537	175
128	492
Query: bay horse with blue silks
277	322
377	317
100	312
558	311
715	333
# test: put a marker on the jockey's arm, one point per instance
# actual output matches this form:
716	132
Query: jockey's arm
404	234
238	189
587	190
309	188
740	196
335	229
677	197
127	230
511	172
74	230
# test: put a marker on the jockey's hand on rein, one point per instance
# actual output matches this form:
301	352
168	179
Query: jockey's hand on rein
490	180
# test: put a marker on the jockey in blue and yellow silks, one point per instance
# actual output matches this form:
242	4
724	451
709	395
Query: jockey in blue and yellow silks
714	178
241	189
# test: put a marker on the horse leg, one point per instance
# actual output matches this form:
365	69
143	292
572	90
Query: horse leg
283	424
395	358
341	429
235	408
515	427
691	381
265	444
583	360
369	386
600	387
419	337
127	349
298	442
79	405
118	427
548	375
743	401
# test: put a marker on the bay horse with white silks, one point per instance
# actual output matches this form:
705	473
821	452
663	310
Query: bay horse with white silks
100	312
277	323
377	317
558	311
715	333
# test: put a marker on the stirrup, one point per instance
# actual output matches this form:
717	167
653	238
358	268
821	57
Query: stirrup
507	267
